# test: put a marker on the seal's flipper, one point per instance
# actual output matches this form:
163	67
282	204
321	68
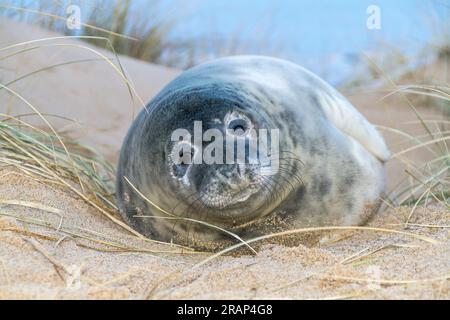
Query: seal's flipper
347	119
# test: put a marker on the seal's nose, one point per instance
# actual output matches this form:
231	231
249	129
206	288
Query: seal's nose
233	176
230	176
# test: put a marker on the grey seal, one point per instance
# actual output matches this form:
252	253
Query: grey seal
329	171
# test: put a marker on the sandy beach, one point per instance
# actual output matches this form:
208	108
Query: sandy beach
55	245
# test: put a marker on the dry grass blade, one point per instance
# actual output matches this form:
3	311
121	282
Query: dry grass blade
49	68
121	68
423	144
118	69
25	43
65	19
423	225
385	281
305	230
30	204
46	254
172	216
437	91
359	255
408	136
107	242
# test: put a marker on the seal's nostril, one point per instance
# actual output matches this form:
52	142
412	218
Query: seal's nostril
239	126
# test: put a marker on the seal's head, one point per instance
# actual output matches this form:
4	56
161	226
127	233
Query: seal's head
219	164
205	153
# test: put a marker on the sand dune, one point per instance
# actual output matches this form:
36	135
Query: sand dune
78	253
89	92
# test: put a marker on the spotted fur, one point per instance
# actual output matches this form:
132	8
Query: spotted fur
332	166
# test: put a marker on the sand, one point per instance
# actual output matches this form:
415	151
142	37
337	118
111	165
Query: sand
57	261
69	250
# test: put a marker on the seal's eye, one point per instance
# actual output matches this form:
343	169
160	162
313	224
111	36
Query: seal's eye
239	126
185	157
179	169
181	153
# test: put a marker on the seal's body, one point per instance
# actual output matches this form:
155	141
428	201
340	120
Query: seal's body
330	169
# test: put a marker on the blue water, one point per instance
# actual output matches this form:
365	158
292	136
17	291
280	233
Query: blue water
315	33
314	26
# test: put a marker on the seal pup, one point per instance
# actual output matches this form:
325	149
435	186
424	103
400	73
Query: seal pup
329	169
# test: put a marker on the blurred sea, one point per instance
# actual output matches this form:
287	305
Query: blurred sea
318	34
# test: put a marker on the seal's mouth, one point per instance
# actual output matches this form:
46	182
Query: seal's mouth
223	193
228	200
231	199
